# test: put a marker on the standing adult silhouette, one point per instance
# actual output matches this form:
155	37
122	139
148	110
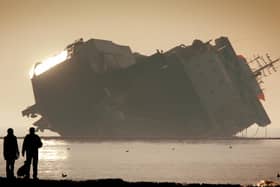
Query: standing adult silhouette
10	152
31	143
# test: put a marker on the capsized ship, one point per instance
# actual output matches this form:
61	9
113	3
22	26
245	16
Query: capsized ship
100	89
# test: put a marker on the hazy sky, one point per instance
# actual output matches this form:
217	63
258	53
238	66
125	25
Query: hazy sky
31	30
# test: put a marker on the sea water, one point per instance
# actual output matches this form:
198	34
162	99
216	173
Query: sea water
184	161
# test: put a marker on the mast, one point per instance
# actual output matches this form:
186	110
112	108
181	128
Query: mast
264	65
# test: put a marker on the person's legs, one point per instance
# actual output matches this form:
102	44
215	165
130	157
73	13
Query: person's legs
28	163
8	168
12	164
35	165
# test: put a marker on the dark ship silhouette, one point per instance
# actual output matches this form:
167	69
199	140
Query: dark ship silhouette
100	89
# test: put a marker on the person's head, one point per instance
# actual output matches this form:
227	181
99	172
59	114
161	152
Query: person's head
32	130
10	131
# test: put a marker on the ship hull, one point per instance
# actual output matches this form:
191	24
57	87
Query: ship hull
164	96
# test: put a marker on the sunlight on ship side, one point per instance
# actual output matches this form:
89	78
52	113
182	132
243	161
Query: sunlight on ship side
48	63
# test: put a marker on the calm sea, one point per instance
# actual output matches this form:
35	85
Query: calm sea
189	161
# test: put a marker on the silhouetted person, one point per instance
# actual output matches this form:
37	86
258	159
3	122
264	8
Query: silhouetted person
10	152
31	144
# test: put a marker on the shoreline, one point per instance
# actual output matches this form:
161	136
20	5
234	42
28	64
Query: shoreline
102	183
150	139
